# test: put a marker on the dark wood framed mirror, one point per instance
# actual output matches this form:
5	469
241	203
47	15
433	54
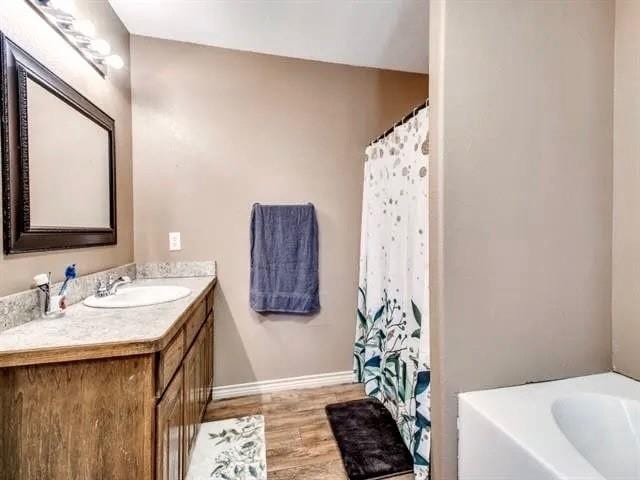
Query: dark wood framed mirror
58	160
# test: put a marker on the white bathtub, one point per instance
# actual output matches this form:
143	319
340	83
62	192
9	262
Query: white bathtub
585	428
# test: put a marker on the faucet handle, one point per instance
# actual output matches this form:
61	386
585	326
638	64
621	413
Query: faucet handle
112	288
101	288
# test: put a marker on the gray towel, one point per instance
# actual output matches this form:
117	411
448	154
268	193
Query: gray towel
284	259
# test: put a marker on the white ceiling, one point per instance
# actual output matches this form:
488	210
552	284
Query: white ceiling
389	34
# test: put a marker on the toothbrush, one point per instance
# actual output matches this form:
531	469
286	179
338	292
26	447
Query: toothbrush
69	274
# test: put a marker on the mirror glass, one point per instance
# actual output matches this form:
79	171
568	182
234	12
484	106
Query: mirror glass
68	164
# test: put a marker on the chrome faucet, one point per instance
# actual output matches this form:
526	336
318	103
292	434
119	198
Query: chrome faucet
105	289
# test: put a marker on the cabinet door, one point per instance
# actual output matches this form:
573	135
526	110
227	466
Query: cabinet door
191	390
170	422
202	374
209	380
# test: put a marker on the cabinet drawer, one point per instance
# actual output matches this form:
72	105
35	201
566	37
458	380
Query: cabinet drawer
194	323
170	359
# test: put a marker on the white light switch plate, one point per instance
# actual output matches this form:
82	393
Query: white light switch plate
175	243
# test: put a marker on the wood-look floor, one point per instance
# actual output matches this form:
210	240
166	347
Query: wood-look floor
300	445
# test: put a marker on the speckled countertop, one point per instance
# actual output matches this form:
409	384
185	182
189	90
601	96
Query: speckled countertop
86	332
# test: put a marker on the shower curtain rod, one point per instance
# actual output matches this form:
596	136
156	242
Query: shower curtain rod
404	119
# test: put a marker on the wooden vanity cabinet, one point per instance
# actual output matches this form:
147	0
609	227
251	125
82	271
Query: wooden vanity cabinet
107	416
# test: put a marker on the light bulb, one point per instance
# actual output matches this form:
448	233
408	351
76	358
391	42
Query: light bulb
101	47
84	27
114	61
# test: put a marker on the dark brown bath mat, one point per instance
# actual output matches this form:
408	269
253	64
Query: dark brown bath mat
369	440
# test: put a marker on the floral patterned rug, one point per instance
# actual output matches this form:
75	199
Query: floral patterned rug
230	450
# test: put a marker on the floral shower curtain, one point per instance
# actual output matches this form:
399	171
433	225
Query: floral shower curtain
391	354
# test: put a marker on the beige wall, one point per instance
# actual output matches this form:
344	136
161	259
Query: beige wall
522	105
215	131
25	27
626	193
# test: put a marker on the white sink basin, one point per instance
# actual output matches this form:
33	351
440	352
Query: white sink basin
128	297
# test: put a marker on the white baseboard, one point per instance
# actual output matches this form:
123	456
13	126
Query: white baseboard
270	386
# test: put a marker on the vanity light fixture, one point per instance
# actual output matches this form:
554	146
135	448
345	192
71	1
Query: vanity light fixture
79	32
